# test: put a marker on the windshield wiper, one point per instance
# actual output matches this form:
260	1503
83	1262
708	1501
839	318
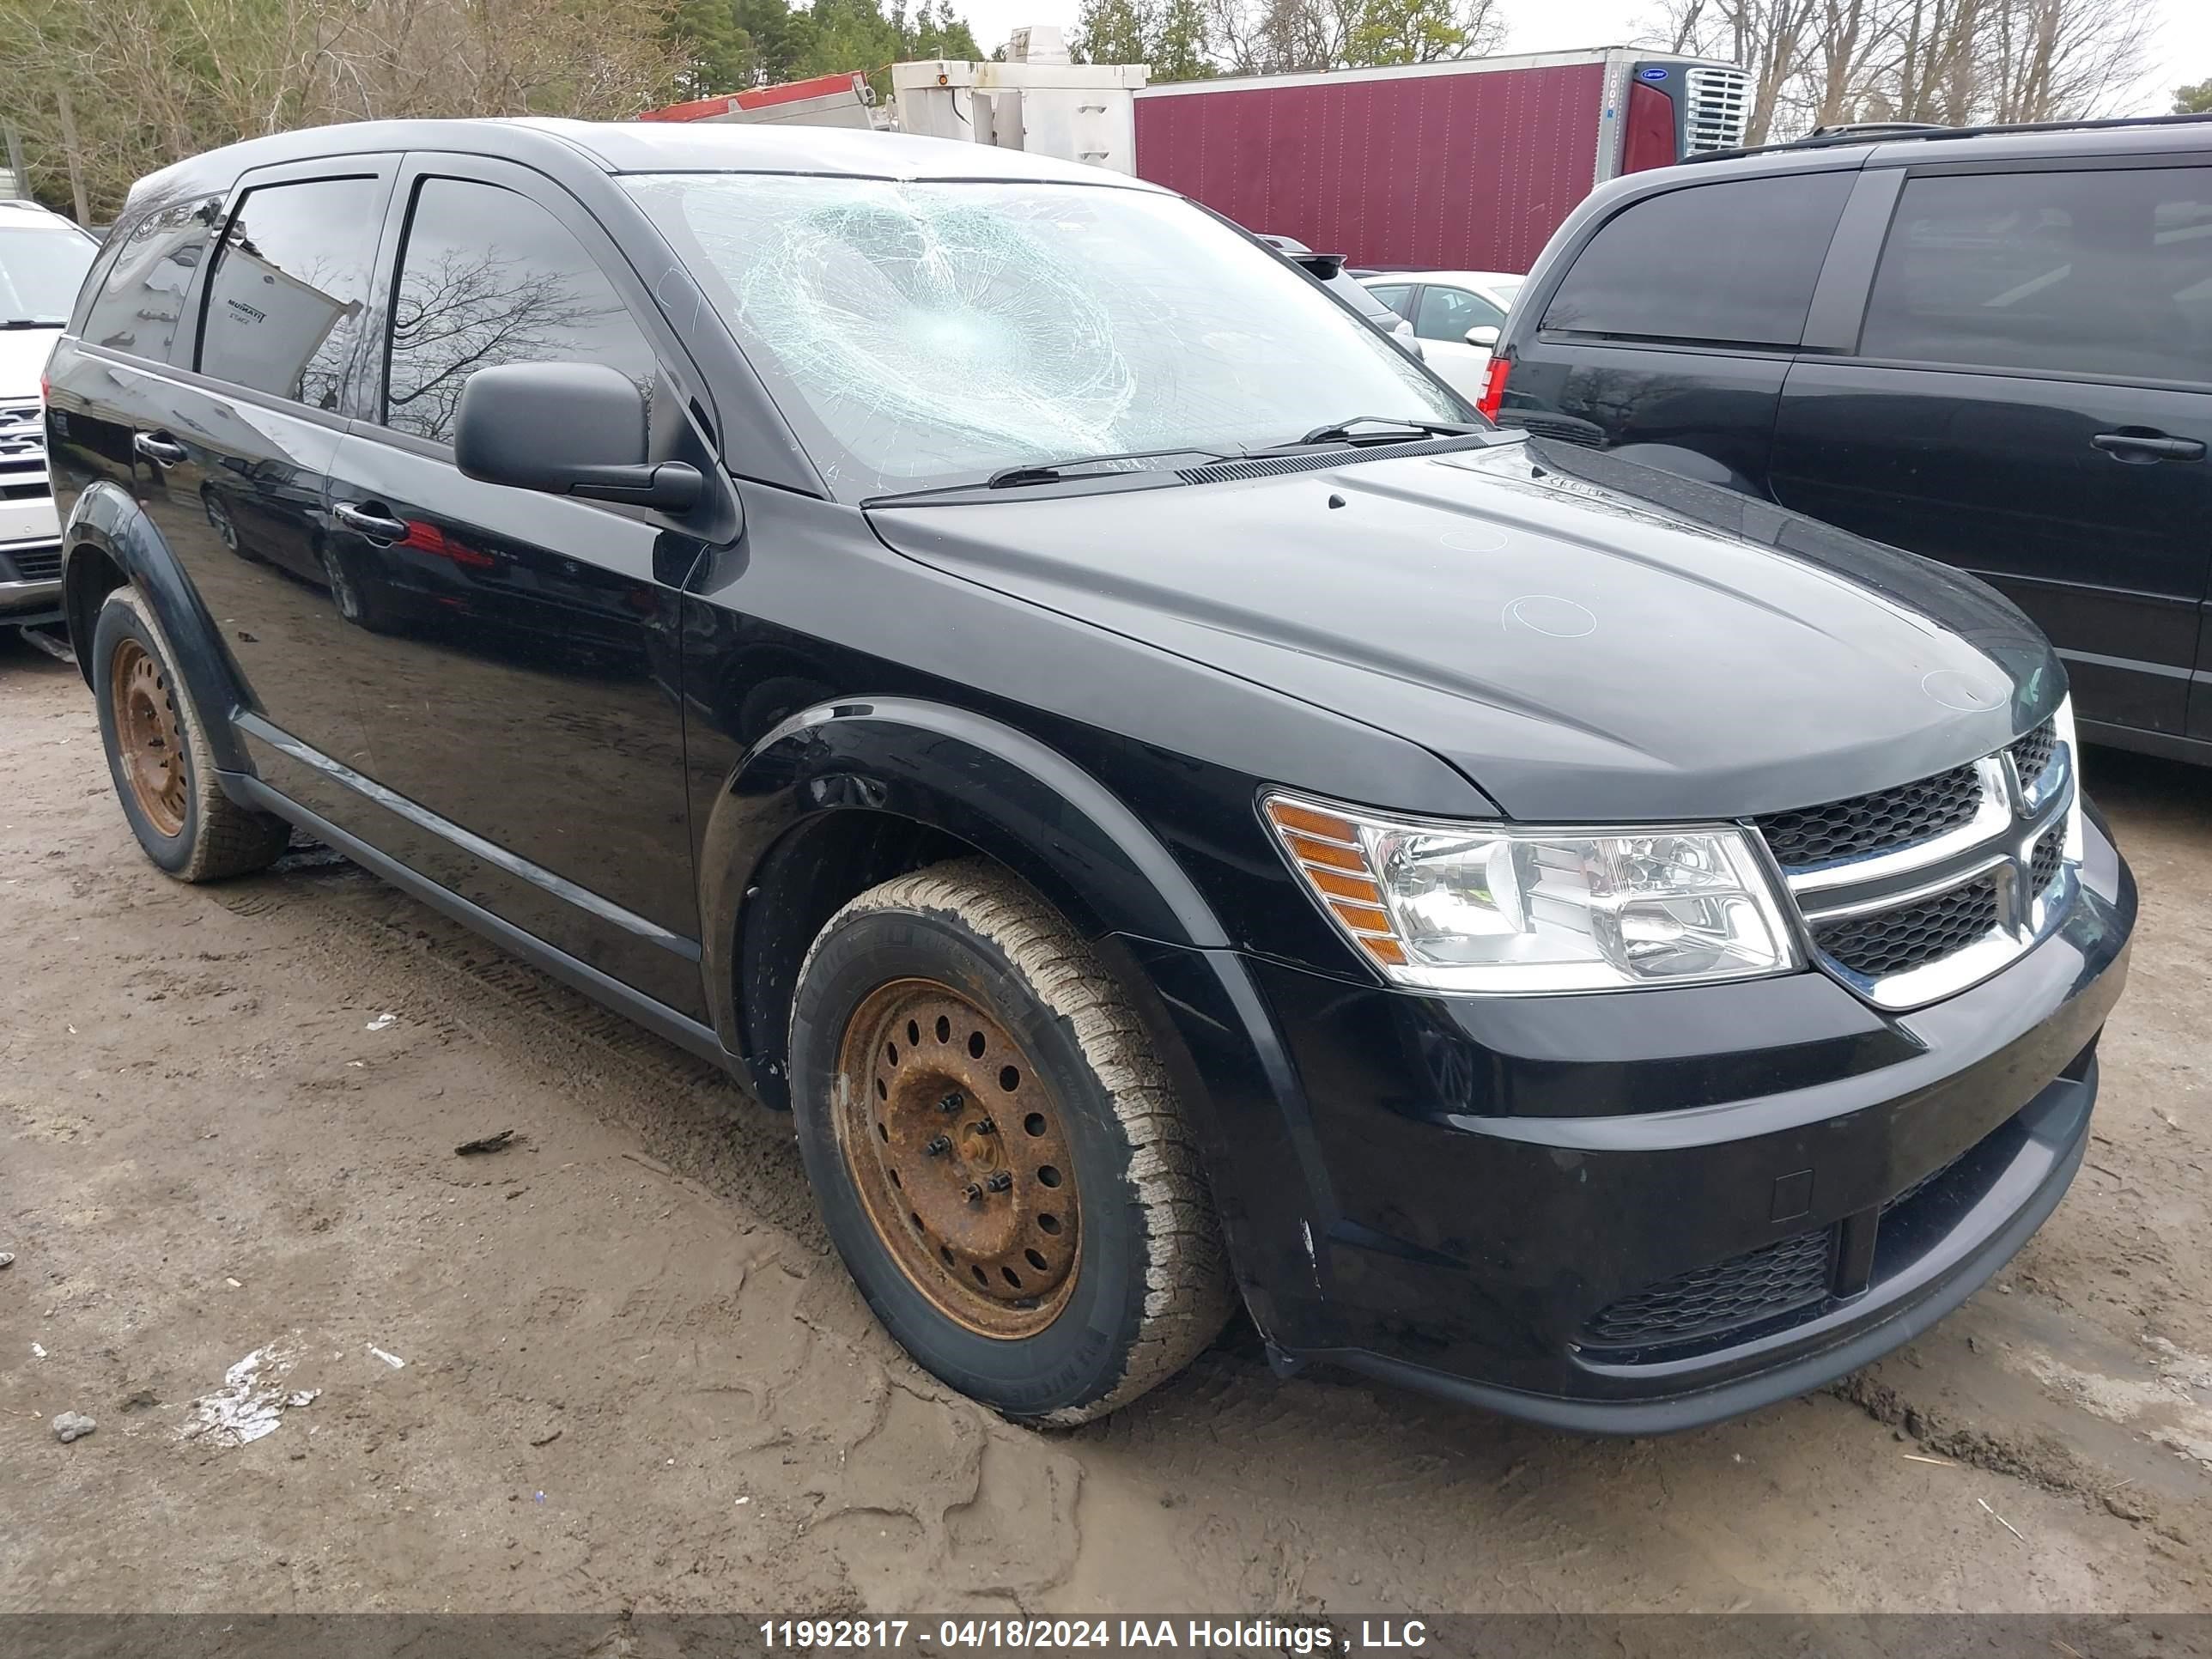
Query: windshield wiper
1026	473
11	322
1036	473
1341	432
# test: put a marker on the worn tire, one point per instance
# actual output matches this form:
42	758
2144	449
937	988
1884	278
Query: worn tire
1151	1287
218	837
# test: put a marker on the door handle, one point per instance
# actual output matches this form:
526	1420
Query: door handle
377	526
2130	446
162	452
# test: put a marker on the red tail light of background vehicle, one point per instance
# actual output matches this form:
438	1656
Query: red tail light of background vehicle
1493	388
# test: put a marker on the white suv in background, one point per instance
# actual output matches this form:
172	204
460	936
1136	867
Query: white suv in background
43	259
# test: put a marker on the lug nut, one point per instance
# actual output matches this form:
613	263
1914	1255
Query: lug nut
987	1127
952	1103
999	1181
937	1146
975	1192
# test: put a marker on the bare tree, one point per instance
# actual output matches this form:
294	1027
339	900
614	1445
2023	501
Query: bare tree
1272	37
1817	62
149	81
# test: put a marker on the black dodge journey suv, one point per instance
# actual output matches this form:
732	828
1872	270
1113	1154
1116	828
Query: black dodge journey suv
1182	811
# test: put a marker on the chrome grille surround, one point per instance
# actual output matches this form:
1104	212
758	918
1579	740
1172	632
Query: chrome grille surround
2021	840
22	436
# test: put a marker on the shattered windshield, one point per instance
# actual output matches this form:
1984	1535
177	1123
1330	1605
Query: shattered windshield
929	333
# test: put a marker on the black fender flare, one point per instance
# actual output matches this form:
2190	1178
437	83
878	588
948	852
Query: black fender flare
972	778
105	520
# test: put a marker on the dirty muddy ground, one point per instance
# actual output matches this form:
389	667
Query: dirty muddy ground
335	1366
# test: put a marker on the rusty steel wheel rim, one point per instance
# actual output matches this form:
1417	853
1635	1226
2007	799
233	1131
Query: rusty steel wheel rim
958	1148
147	732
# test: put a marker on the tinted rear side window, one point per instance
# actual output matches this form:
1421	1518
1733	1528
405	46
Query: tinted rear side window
138	302
488	276
289	281
1733	262
2102	273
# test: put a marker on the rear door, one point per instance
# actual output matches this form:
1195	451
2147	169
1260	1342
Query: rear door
233	452
2029	397
524	703
1674	323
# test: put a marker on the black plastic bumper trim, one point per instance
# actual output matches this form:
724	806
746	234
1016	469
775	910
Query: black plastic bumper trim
1700	1407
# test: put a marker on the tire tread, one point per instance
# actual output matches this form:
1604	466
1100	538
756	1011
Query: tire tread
231	840
1189	1291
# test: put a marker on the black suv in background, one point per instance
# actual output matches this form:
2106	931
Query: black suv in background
1180	810
1991	347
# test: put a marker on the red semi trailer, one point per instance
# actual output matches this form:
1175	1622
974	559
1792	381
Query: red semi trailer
1464	166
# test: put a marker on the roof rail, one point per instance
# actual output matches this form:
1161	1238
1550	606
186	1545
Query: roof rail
1882	132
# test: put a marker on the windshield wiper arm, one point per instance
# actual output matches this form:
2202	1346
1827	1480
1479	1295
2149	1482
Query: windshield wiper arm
1341	432
1044	472
1033	472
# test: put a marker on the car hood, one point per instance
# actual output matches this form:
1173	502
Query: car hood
1583	637
23	354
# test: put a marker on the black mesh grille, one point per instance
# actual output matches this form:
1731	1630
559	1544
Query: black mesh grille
1867	824
2032	753
1744	1291
42	566
1893	941
2042	865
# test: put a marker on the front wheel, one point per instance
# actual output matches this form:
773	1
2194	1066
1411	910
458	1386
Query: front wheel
998	1154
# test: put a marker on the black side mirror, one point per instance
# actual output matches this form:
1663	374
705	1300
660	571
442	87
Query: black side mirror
567	429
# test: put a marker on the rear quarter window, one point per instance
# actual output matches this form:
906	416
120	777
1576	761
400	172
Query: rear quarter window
136	303
1733	262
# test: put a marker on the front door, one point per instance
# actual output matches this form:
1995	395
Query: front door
524	708
2031	399
1444	316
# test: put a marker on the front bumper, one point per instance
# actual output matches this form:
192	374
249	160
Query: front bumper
1632	1214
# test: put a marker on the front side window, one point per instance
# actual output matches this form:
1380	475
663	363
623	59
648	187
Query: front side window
1398	296
1447	314
42	265
2106	273
1732	263
289	281
139	301
926	333
489	278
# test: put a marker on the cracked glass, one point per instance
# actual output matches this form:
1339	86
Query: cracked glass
924	333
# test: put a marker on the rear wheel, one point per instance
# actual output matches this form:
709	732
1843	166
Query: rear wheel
998	1154
157	754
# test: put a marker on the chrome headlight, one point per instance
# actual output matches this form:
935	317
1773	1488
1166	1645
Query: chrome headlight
1485	908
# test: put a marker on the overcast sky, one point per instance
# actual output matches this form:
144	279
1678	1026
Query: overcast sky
2182	53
